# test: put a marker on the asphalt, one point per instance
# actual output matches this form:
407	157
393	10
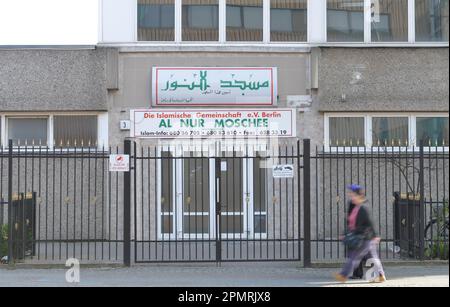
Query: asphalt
228	275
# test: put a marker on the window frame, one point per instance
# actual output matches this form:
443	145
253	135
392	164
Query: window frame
316	31
223	27
368	116
5	134
102	129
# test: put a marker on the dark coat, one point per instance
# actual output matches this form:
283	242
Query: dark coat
364	225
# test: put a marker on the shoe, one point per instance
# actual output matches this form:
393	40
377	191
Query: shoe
378	280
340	278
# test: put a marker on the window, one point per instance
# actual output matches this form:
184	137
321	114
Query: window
390	131
60	130
156	20
431	20
347	131
345	20
28	131
432	130
200	20
245	20
387	130
390	21
288	20
75	131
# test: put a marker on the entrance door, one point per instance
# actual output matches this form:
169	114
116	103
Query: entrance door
191	181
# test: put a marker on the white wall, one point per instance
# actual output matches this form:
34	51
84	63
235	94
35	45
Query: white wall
118	21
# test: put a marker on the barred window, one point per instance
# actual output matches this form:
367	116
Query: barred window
347	131
432	130
28	131
75	131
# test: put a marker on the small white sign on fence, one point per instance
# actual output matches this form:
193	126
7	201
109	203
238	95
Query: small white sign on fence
283	171
119	163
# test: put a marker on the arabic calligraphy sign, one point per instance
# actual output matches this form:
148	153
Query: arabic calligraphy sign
205	86
214	123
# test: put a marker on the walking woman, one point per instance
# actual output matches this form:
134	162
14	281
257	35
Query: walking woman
361	239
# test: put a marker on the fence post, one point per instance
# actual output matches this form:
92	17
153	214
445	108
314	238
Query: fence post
127	209
422	202
10	200
307	203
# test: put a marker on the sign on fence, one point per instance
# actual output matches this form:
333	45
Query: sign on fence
203	86
283	171
119	163
236	123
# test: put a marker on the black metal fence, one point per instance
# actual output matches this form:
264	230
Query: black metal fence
407	192
58	204
215	202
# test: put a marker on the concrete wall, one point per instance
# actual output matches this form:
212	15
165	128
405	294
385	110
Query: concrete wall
392	79
52	80
135	70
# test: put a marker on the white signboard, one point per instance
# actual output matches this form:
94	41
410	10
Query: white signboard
119	163
214	86
283	171
215	123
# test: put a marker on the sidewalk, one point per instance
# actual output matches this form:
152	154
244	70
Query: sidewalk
229	275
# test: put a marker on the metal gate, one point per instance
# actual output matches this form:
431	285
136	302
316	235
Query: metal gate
217	201
214	202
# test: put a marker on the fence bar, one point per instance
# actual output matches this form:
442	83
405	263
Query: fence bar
422	201
306	203
127	210
10	199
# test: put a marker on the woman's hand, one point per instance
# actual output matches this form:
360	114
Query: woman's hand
377	240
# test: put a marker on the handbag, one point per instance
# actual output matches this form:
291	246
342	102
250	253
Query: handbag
353	241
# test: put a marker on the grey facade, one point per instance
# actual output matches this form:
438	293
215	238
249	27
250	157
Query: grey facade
53	80
116	80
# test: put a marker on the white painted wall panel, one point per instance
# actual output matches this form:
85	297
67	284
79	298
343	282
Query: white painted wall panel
118	23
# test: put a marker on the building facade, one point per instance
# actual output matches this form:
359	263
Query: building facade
355	74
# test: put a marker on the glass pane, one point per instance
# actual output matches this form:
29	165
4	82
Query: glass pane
432	130
259	185
232	185
390	21
166	224
79	130
432	20
244	20
28	130
345	19
196	185
167	182
346	131
390	131
196	224
288	21
260	223
156	20
231	224
200	20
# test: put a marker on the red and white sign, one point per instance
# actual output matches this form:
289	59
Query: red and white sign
213	123
119	163
214	86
